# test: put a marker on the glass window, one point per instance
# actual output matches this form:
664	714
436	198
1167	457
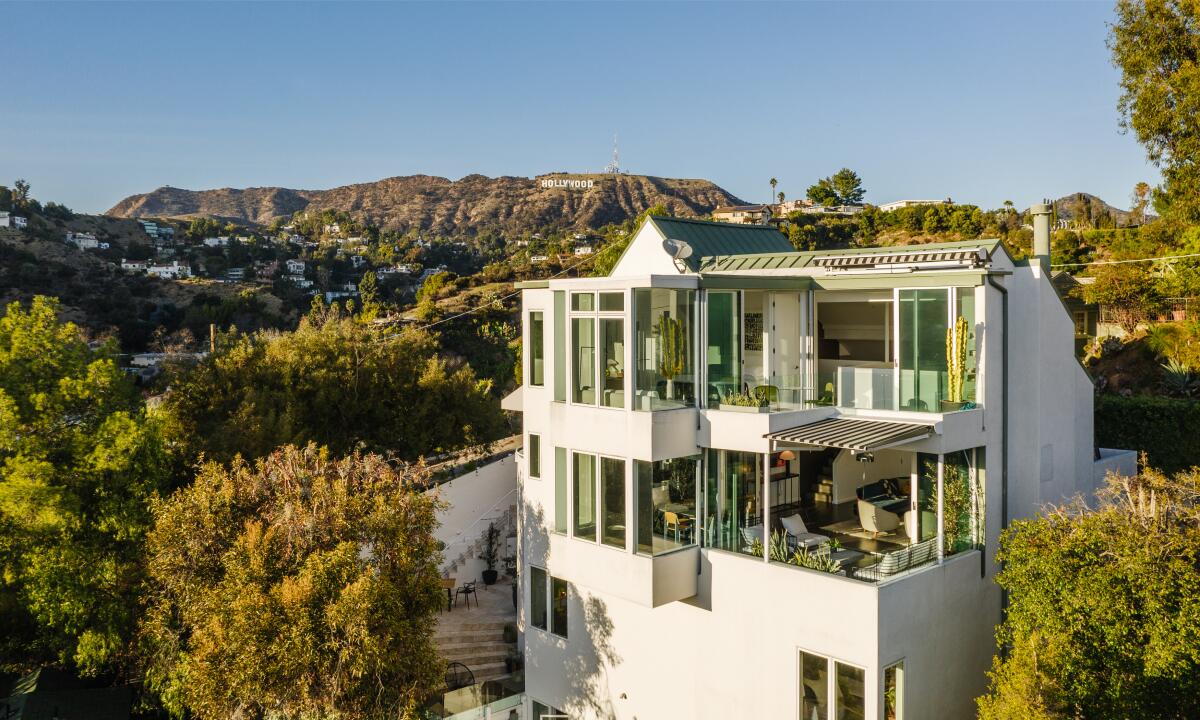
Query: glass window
922	349
850	698
583	355
584	489
893	692
612	343
927	469
723	353
814	687
535	455
537	350
666	504
545	712
537	597
962	505
733	494
965	301
665	345
560	490
612	501
612	301
583	302
558	607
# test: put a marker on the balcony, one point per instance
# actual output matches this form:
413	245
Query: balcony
871	387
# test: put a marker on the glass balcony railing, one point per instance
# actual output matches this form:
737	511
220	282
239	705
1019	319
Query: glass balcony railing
889	388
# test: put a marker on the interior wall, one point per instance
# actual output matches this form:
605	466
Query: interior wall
849	473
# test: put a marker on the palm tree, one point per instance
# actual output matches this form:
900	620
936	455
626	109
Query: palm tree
774	182
780	197
1008	206
1141	195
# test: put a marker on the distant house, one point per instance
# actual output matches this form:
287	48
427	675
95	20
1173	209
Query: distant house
538	258
332	229
174	271
743	214
15	222
213	242
83	241
581	250
357	261
523	242
159	233
295	267
134	265
897	204
236	274
296	239
783	209
299	281
267	270
832	209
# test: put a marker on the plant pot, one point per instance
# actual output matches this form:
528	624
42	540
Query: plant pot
490	576
950	405
743	408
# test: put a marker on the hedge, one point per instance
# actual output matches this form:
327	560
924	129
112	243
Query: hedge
1166	429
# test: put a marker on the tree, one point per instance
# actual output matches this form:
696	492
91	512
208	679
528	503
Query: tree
368	293
774	182
1141	198
1128	292
20	194
203	227
1155	44
781	197
848	185
299	587
822	193
79	462
1103	617
334	381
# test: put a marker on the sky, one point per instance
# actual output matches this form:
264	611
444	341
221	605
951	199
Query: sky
979	102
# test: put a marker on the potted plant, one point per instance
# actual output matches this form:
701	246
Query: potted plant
671	358
956	365
514	661
489	554
745	402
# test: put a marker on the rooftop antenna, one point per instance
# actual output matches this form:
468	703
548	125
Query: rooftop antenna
614	167
679	251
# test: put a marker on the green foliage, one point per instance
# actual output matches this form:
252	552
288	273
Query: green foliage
842	188
816	560
301	587
435	286
673	347
79	462
1103	617
956	358
741	399
1179	381
203	227
1163	428
1155	44
1128	291
333	381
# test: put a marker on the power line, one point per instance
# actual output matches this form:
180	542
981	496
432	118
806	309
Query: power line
1121	262
491	303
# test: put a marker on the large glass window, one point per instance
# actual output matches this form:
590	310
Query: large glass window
924	318
965	309
814	686
537	349
583	488
612	344
733	501
558	606
723	352
893	692
850	698
583	302
537	597
962	501
612	501
583	355
927	471
612	301
666	504
560	490
535	455
665	339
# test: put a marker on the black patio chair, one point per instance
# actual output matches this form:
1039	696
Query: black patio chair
466	590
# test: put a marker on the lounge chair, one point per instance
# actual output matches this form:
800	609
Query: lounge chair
875	519
798	535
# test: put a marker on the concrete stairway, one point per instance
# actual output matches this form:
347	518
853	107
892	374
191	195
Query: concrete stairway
475	636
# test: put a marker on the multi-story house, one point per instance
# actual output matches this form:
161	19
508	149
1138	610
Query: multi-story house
762	483
743	214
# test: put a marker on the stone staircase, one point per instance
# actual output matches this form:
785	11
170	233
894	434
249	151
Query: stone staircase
478	642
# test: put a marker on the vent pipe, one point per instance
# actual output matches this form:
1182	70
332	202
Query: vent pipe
1041	234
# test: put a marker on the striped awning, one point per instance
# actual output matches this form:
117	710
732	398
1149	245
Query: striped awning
853	434
966	256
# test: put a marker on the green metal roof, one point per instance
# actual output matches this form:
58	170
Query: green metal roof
710	239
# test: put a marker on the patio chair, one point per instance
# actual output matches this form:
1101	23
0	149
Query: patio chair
749	535
875	519
466	590
798	535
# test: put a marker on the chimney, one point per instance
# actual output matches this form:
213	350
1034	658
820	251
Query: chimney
1041	234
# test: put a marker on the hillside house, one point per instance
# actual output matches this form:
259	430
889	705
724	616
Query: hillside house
295	267
216	242
357	261
720	402
743	214
583	250
134	266
898	204
237	274
299	281
83	241
16	222
160	234
174	271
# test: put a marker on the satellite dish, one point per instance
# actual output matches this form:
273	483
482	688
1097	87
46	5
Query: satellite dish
677	249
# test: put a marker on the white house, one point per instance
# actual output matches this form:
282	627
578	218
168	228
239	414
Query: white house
536	259
83	241
742	214
299	281
753	485
134	265
897	204
295	267
9	220
214	242
581	250
174	271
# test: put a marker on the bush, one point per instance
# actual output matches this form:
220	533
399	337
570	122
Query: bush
1163	428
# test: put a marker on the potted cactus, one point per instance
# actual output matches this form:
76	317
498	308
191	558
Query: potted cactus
671	358
956	365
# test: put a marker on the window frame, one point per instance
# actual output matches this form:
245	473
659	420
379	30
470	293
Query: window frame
534	572
540	346
566	613
533	449
598	353
833	705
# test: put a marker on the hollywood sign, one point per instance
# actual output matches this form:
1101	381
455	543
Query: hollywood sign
568	184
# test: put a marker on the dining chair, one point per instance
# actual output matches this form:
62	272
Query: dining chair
466	590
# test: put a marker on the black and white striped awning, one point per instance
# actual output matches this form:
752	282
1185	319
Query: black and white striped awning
969	257
853	434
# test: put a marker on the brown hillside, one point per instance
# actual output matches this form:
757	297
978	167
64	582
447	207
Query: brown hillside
469	205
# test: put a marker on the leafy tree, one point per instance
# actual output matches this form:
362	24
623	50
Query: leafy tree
1141	198
299	587
203	227
1103	617
20	194
79	462
1129	293
848	186
822	193
1155	44
774	182
334	381
6	198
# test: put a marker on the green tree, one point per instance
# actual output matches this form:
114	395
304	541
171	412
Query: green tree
203	227
774	182
334	381
20	194
79	462
848	186
822	193
1127	291
299	587
1103	618
1141	199
1155	44
368	295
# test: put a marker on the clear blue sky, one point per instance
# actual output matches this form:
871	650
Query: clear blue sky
979	102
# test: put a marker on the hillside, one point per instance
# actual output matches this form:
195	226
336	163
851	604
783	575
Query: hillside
1087	206
466	206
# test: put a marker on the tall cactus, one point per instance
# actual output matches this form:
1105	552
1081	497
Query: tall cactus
956	358
671	357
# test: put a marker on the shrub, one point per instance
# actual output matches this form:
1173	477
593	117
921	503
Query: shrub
1163	428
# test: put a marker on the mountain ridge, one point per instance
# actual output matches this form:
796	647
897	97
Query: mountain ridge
468	205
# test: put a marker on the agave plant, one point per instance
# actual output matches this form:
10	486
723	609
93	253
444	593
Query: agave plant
819	560
1179	380
779	547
